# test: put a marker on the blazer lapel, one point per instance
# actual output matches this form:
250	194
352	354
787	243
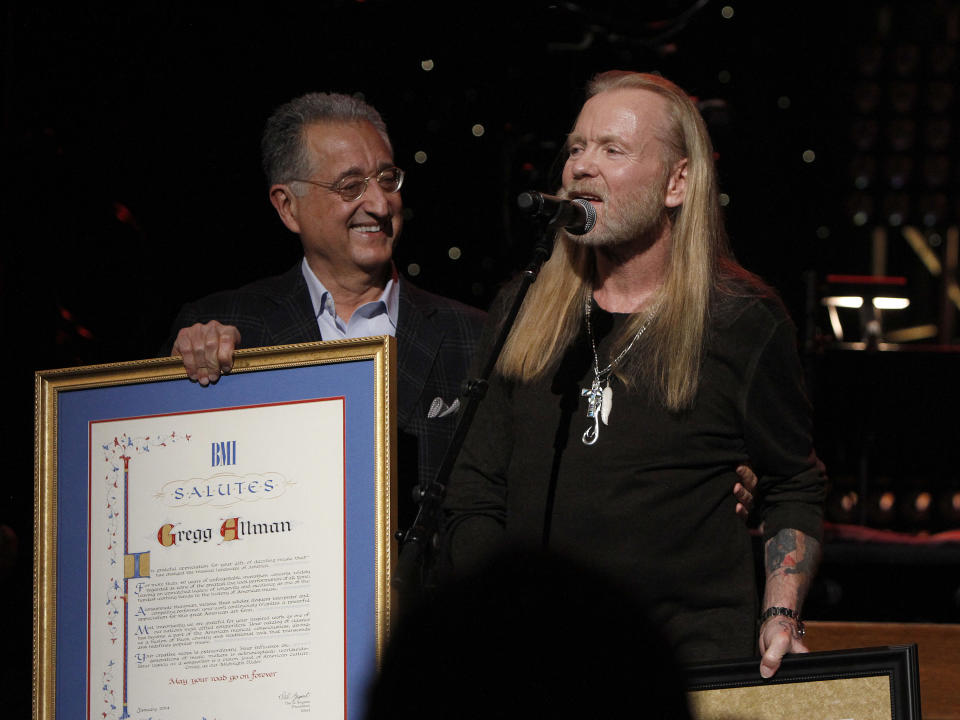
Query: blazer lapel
293	319
418	341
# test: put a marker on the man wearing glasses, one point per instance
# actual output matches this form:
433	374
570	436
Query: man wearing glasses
329	165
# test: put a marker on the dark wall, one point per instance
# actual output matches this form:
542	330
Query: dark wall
132	150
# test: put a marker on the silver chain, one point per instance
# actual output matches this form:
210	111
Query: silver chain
600	395
601	375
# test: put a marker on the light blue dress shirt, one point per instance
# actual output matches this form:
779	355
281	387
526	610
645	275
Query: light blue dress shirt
378	317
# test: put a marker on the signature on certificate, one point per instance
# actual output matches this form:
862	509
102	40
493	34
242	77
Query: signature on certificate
295	700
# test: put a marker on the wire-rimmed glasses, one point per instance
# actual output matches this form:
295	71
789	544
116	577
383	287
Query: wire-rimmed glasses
353	187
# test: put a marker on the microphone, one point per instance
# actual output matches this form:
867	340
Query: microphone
577	217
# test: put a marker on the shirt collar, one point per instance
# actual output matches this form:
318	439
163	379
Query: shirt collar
322	300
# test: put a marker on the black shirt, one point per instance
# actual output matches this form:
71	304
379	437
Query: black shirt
651	501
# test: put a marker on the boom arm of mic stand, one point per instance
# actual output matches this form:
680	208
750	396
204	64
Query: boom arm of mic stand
428	516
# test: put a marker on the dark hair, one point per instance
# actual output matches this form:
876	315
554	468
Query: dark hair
282	147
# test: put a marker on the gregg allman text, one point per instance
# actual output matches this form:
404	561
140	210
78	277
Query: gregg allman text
230	529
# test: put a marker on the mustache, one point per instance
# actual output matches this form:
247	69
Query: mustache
580	190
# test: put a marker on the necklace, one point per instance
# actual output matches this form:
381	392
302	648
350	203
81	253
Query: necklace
600	394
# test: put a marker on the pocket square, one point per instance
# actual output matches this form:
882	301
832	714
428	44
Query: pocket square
439	409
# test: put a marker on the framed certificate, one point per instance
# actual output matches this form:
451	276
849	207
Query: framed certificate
214	552
869	683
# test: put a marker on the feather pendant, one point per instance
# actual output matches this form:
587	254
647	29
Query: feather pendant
606	404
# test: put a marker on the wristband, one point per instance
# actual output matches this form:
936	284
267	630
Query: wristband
786	612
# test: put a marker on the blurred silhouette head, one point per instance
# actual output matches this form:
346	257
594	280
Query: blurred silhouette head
528	635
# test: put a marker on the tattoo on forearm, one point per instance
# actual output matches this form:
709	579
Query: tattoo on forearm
788	552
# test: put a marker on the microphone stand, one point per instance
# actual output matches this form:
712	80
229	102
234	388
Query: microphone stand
424	528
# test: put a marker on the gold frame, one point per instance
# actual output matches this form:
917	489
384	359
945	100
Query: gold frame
48	384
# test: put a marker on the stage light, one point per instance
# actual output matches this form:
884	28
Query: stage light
863	169
413	269
835	325
912	334
896	208
920	246
891	303
898	169
783	102
478	130
886	501
948	507
809	156
933	210
881	508
724	76
870	295
844	301
427	65
724	199
727	12
454	253
916	509
849	502
420	157
860	208
843	506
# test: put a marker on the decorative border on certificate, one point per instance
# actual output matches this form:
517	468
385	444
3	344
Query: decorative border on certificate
867	683
215	552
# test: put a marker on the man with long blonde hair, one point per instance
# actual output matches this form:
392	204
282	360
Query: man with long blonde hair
644	367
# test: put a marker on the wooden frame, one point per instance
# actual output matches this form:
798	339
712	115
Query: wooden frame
144	607
870	683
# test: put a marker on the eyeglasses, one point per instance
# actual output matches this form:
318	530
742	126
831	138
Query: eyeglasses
353	187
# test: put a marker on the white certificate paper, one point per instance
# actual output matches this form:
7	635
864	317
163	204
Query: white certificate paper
217	564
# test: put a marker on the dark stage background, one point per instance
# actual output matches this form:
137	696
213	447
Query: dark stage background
132	184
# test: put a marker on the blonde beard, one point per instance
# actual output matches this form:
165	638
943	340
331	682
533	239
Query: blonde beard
639	214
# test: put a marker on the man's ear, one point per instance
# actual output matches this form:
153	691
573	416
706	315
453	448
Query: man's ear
287	206
677	185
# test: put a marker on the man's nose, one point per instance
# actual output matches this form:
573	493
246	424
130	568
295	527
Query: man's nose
583	165
376	200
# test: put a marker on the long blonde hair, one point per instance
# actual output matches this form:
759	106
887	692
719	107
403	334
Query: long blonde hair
672	348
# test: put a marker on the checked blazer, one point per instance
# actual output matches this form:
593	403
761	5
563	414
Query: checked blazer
436	342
